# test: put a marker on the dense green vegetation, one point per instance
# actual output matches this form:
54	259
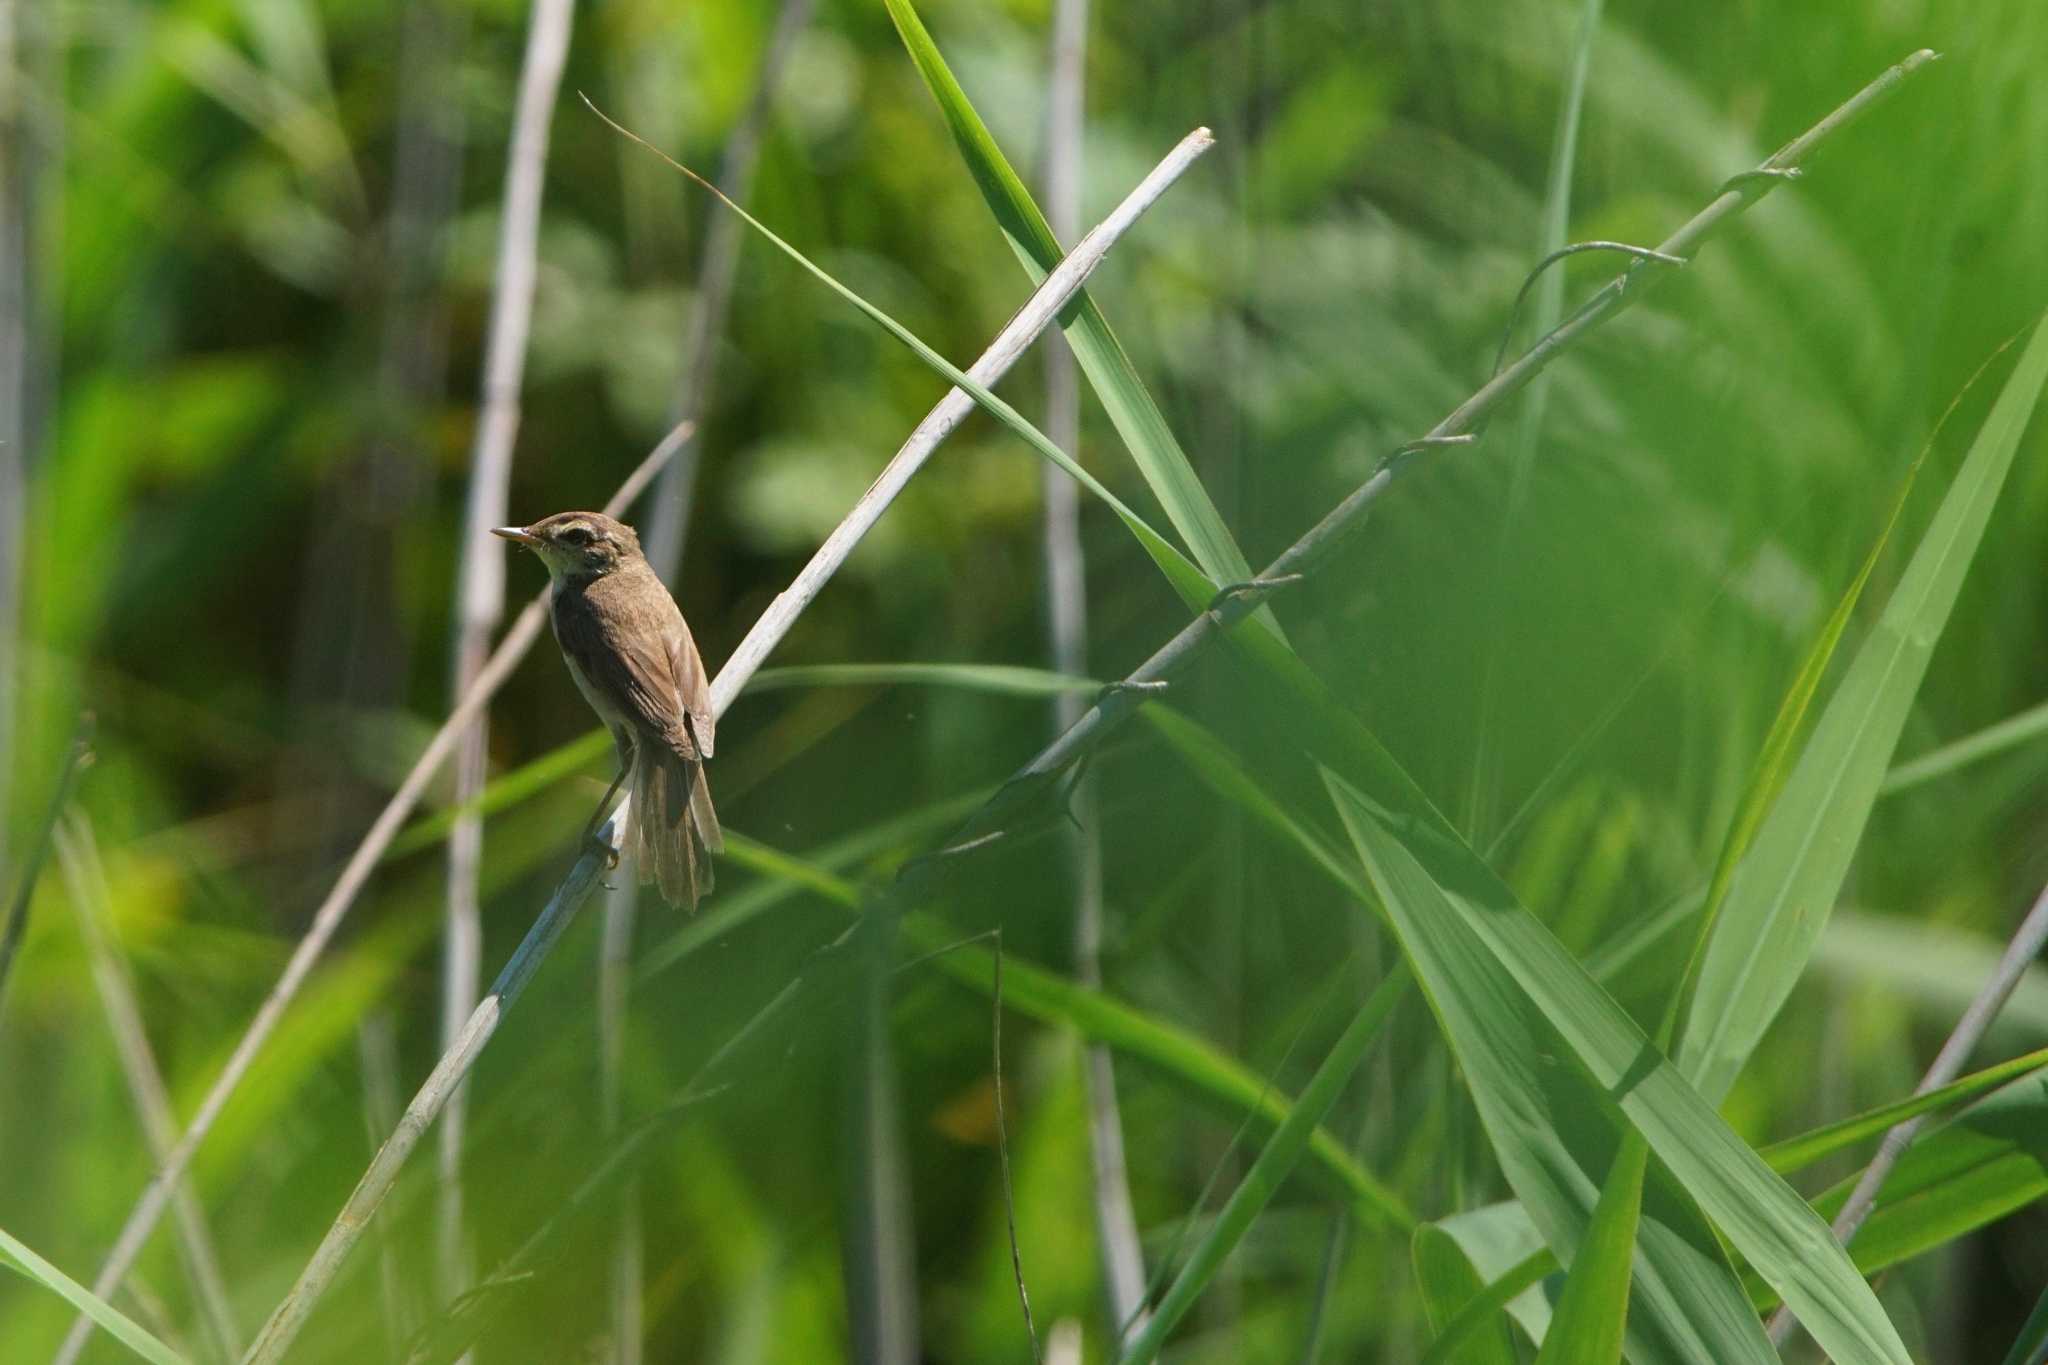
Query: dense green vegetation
1697	710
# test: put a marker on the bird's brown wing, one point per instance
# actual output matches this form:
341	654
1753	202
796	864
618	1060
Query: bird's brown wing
633	647
692	685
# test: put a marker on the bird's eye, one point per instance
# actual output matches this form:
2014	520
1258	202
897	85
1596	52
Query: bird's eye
575	535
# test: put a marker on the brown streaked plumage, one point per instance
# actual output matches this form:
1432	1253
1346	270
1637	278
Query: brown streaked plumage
634	662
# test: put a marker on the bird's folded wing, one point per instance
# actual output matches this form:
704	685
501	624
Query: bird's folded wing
627	647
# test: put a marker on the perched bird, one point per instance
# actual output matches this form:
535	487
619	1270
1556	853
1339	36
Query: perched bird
635	663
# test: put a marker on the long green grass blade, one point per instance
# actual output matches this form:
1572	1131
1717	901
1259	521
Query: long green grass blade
1131	410
119	1325
1282	1152
1501	984
1780	897
1987	1162
1797	1153
1984	1164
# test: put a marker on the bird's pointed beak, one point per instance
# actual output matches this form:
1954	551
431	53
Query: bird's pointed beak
518	535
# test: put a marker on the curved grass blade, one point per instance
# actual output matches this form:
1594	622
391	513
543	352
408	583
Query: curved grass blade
1986	1163
1505	988
1797	1153
1124	397
1779	897
1283	1150
118	1324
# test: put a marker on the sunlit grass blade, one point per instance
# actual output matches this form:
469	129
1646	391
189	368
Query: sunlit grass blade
508	790
1283	1150
1779	898
1484	963
119	1325
1797	1153
1187	580
1124	397
1982	1165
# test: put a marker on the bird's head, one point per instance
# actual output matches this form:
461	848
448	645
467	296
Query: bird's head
576	545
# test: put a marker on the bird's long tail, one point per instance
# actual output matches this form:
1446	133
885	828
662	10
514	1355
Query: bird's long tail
675	829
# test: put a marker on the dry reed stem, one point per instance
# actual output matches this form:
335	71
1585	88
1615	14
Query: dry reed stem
481	590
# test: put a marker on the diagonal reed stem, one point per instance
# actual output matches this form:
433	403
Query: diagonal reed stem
1066	583
1045	304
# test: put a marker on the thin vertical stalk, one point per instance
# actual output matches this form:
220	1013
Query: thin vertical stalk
2026	945
667	532
85	878
481	593
1066	596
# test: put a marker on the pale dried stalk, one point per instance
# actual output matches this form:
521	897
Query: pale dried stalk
1066	594
142	1219
1051	296
1045	304
481	591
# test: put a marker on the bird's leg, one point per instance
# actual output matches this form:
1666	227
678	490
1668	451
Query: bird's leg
611	852
597	817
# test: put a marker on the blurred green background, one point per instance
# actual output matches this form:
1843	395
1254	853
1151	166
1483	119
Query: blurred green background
243	425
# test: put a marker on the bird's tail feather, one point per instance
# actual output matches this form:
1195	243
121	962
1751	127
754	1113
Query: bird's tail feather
675	830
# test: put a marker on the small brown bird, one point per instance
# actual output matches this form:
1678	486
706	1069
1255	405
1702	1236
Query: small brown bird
634	661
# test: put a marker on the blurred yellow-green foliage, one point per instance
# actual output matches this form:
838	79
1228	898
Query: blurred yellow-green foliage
244	420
